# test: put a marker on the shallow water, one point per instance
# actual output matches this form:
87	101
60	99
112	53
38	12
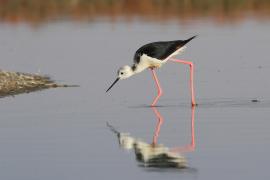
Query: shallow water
62	133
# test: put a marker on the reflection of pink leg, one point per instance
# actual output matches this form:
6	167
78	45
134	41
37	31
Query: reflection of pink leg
158	87
160	121
193	103
192	145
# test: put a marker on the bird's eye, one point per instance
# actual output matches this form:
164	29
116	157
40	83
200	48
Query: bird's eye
121	73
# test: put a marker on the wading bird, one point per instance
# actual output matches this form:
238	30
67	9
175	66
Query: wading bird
154	55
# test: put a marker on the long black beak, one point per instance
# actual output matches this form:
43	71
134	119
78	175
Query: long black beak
113	84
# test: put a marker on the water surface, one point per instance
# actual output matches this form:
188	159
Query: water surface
62	133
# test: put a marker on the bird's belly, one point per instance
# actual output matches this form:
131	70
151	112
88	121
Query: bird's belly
151	62
147	62
155	65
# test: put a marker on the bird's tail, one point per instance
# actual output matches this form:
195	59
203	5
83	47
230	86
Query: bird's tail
189	39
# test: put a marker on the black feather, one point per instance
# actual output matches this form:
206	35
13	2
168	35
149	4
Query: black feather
160	50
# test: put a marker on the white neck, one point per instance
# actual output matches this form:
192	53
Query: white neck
139	68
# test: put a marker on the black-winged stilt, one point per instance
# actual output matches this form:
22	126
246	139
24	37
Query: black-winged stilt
154	55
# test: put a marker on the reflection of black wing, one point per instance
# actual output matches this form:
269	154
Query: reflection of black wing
161	161
160	50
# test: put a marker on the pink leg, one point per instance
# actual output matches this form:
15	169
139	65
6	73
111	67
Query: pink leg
193	103
160	121
158	87
190	147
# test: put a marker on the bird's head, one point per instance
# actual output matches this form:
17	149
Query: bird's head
122	73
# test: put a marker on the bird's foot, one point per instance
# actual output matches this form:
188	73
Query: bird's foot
194	104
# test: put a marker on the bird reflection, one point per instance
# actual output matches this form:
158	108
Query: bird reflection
156	155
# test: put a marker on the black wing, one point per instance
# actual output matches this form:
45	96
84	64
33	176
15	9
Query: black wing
160	50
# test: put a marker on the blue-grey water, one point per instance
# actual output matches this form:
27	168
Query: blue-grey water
62	133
